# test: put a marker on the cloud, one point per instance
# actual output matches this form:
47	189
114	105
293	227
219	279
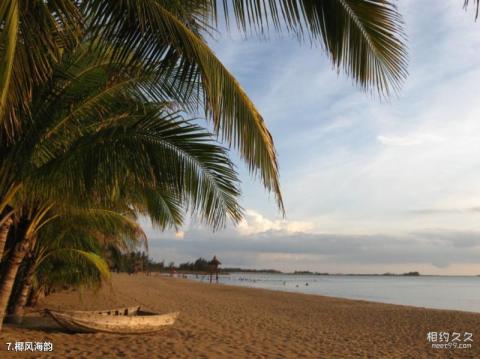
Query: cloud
434	251
436	211
411	140
254	223
350	163
271	243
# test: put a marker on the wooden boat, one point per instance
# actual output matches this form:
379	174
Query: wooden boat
130	320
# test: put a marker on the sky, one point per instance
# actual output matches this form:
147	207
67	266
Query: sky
369	186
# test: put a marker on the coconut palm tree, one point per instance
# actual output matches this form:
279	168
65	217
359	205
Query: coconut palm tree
94	138
70	251
104	129
365	38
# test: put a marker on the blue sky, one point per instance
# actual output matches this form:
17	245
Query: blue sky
369	185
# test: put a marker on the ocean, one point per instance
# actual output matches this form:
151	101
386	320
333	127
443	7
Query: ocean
440	292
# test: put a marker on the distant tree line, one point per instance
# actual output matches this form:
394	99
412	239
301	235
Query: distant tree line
200	265
134	262
138	261
130	262
244	270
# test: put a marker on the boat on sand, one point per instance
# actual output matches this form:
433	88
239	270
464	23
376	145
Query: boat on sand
131	320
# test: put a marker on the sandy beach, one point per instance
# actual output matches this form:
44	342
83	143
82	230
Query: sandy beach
220	321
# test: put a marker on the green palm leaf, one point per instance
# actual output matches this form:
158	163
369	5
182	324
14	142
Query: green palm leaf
9	14
365	38
153	151
33	36
153	33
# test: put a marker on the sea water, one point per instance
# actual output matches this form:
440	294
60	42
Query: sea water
440	292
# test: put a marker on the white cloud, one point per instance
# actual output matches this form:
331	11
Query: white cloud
255	223
410	140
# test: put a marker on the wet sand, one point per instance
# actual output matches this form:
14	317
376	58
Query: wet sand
220	321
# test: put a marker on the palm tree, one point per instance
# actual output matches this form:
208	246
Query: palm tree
93	137
365	38
70	251
96	123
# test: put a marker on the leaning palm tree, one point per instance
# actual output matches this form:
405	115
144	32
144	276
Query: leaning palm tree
70	251
124	141
363	37
95	139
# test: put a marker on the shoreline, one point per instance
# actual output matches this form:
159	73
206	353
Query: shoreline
233	321
336	297
299	291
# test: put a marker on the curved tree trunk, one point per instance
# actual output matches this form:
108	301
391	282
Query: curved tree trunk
4	234
35	295
21	300
16	258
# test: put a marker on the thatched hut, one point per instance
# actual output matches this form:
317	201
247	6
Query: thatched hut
213	264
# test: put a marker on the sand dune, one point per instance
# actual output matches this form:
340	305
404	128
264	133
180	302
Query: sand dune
219	321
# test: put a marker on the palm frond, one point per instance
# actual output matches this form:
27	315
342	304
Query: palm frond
9	15
153	33
152	151
91	228
33	36
93	259
364	38
477	2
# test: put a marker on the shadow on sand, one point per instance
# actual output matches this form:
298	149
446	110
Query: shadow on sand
40	321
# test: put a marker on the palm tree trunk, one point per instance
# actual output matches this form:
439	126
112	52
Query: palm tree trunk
21	300
35	295
4	234
16	258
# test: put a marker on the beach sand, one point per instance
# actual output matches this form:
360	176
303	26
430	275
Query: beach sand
220	321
